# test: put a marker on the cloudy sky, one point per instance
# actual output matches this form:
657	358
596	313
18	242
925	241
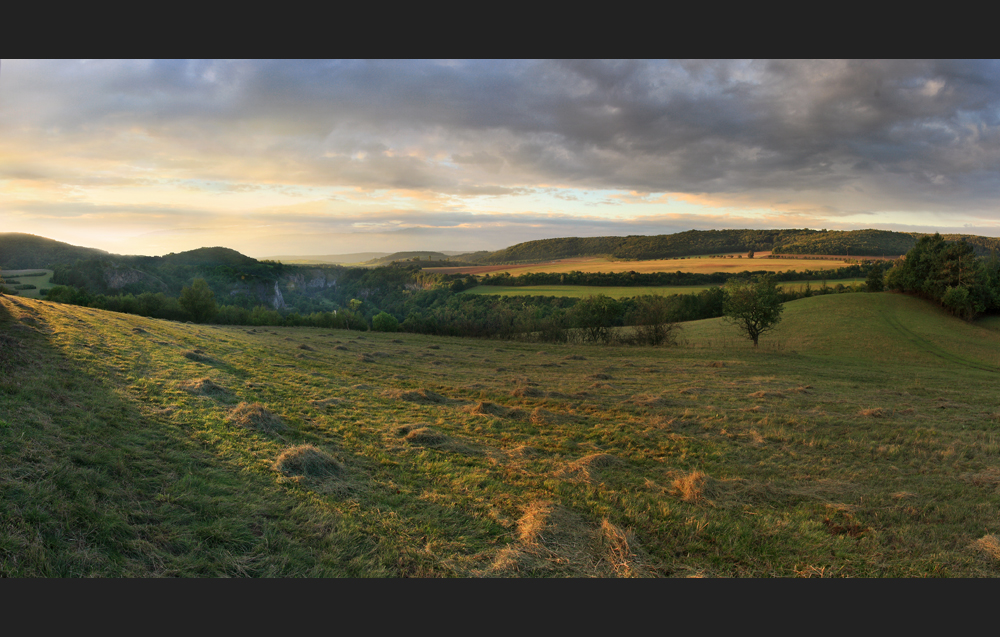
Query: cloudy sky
326	157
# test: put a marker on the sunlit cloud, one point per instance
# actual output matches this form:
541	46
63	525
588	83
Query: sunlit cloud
139	156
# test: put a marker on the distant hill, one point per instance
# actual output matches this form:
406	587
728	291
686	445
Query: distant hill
870	243
353	257
209	256
662	246
421	255
697	242
20	251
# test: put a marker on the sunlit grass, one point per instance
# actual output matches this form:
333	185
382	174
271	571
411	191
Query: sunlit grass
859	440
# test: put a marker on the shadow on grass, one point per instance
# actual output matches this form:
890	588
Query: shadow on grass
91	486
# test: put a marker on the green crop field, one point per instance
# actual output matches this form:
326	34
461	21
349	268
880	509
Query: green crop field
618	292
41	279
860	440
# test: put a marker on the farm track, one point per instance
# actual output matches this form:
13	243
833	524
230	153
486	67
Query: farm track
924	345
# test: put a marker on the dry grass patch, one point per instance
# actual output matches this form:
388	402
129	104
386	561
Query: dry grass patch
989	545
989	477
555	541
588	468
541	416
875	412
692	487
426	437
204	387
255	416
419	396
766	394
486	408
308	462
622	549
650	400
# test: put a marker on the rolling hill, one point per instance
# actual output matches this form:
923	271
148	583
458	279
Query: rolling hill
860	440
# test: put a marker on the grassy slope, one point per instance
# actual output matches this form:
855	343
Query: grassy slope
861	440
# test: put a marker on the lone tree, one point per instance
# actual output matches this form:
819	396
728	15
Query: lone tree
199	301
754	307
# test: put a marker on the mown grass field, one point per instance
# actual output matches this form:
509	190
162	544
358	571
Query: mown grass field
860	440
618	292
41	279
707	264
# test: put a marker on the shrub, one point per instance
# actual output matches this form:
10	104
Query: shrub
384	322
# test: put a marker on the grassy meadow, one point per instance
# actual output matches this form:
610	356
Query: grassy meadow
707	264
859	440
618	292
41	279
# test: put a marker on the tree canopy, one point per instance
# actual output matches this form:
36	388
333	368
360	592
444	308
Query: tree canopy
199	301
753	306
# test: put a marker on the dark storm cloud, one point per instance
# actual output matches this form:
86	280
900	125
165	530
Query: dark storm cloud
909	132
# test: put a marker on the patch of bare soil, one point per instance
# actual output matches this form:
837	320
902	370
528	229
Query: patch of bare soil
255	416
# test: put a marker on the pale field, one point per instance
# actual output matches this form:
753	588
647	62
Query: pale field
700	264
620	292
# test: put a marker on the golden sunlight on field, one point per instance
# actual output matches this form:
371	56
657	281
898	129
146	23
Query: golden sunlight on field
702	264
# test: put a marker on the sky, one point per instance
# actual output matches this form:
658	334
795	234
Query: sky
332	157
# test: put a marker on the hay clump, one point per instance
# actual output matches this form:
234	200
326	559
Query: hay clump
341	348
307	348
486	408
766	394
988	544
693	486
255	416
541	416
204	387
425	436
138	330
196	355
307	461
420	396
